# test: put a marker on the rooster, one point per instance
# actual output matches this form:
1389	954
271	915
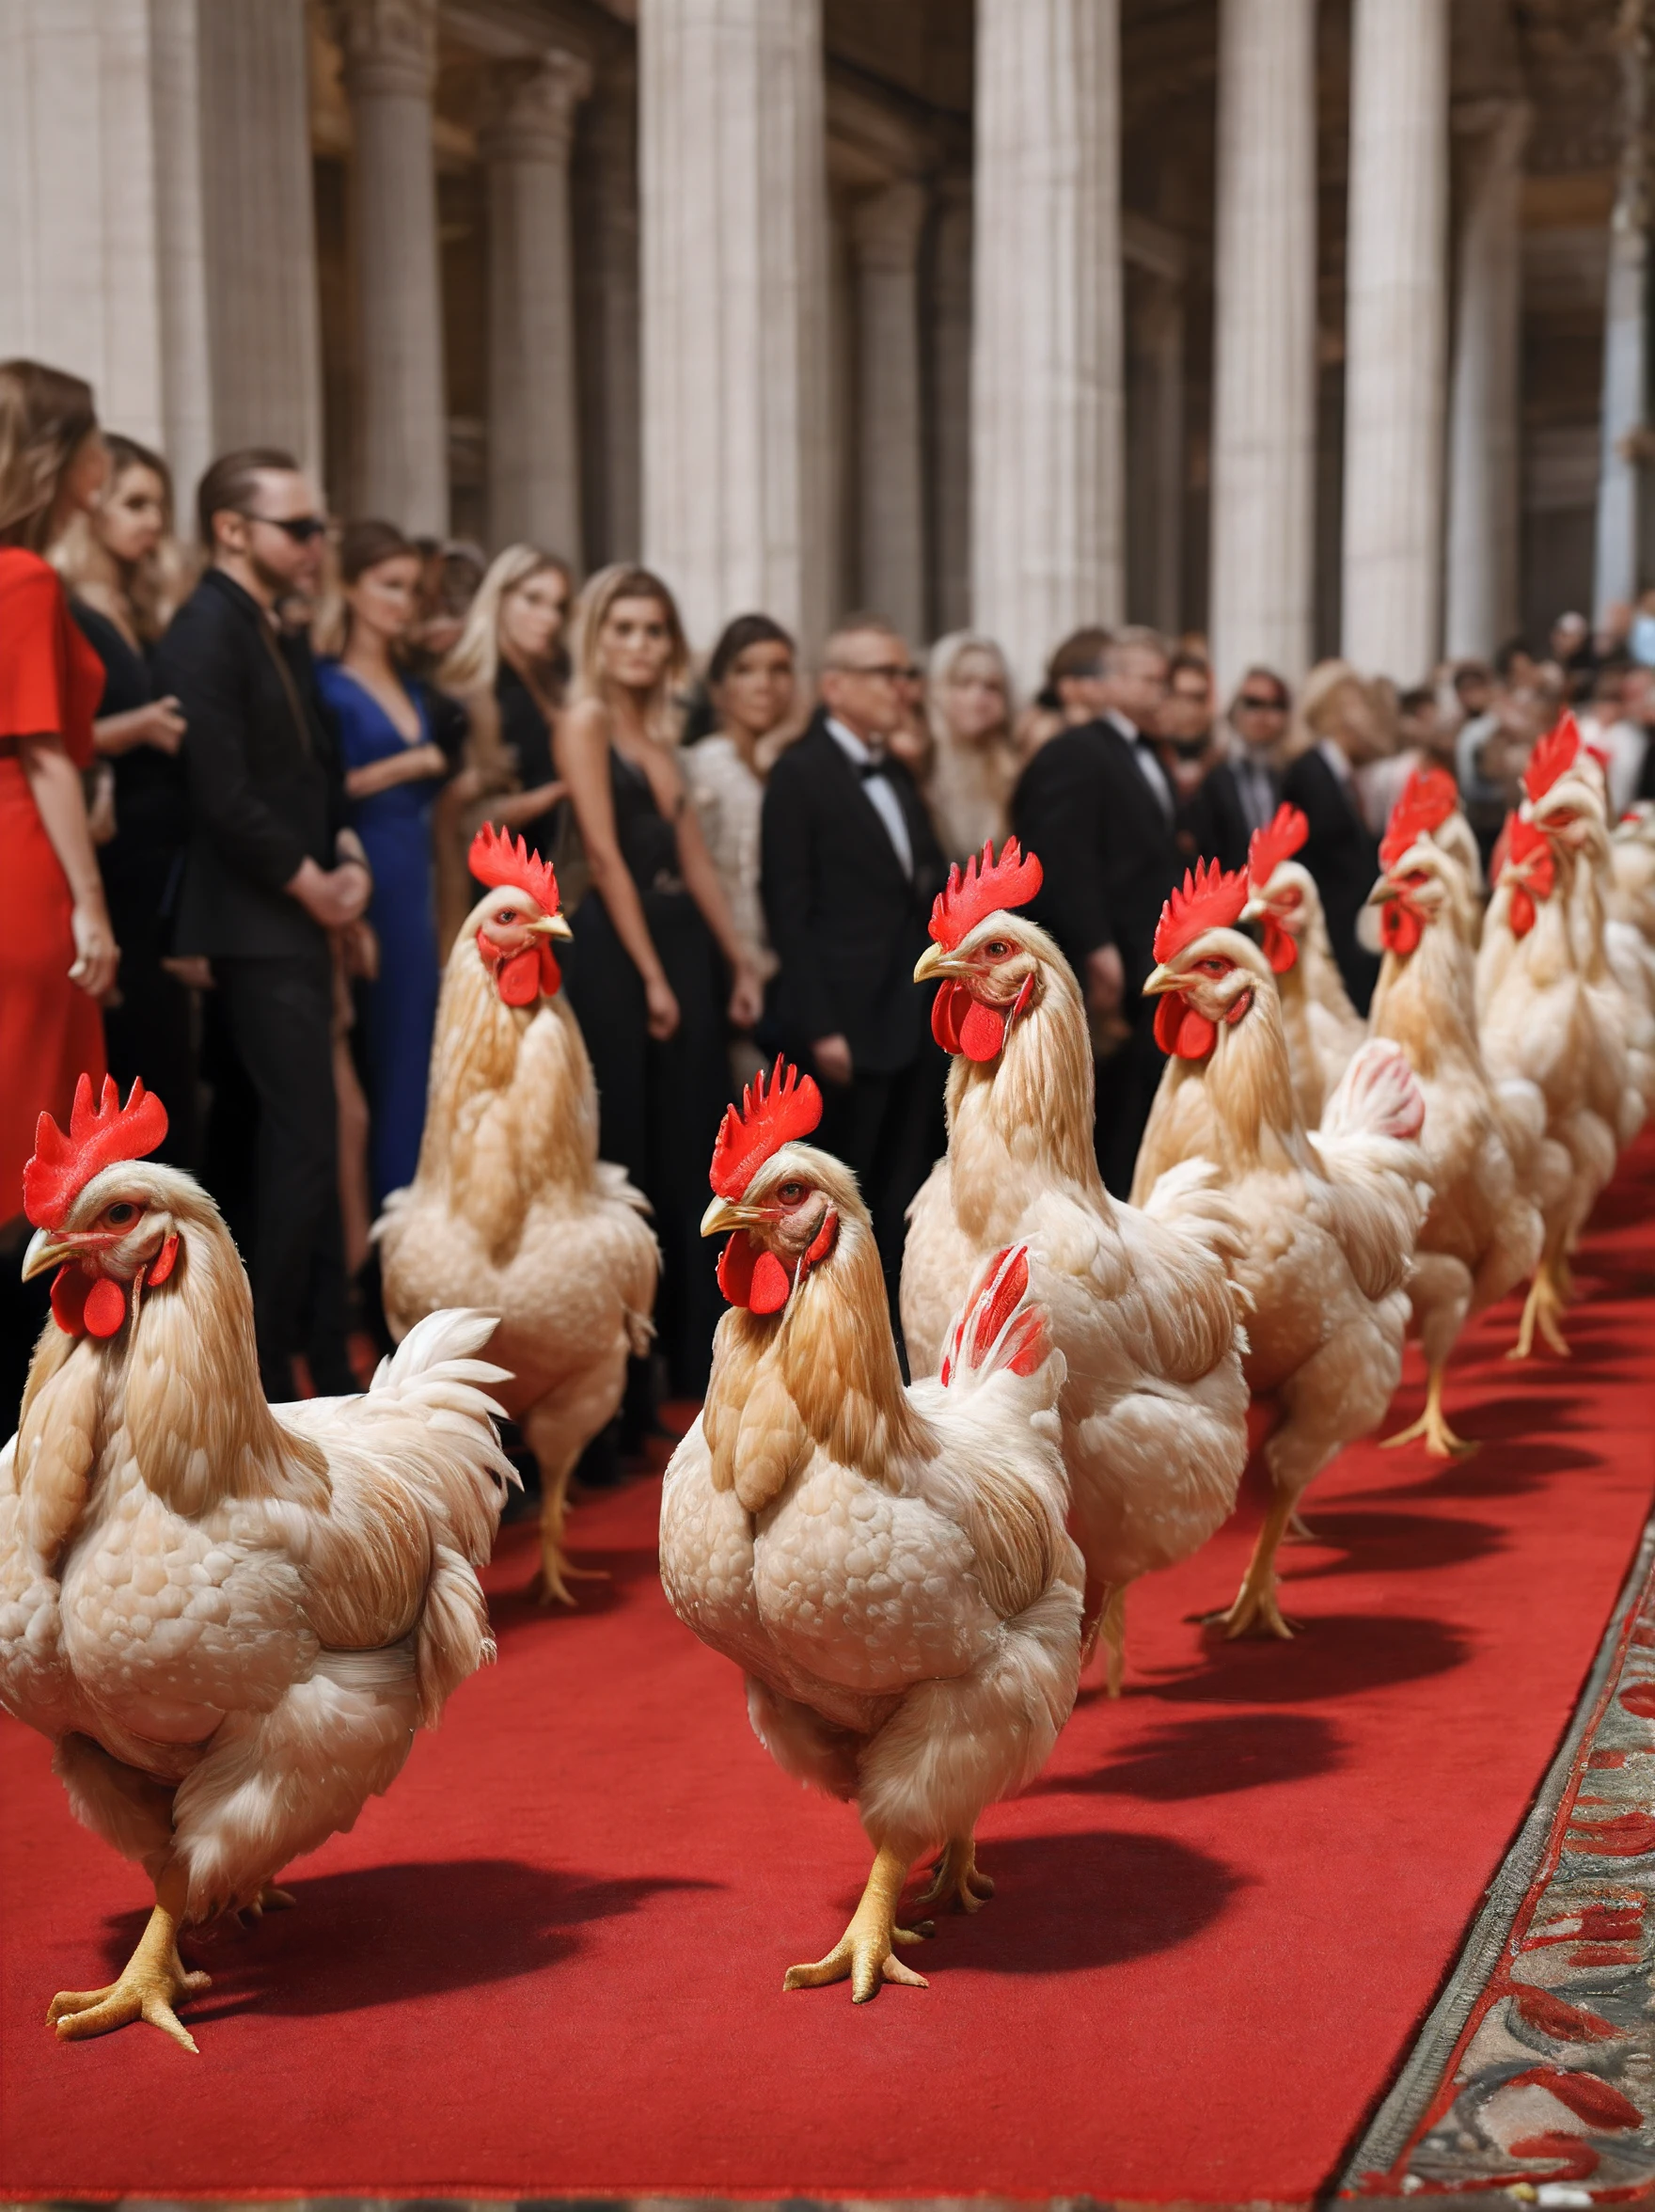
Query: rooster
887	1566
1139	1301
1483	1233
511	1208
1331	1219
228	1616
1323	1029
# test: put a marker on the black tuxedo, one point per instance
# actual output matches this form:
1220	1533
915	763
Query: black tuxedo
1110	852
847	924
1343	855
1221	819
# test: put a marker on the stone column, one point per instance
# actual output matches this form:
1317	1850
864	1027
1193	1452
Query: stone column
606	322
733	217
390	68
1483	427
1262	578
951	409
534	447
186	366
260	230
885	234
1626	335
1156	458
1046	399
1396	322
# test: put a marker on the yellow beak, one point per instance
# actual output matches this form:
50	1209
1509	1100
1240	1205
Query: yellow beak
43	1251
1384	889
937	960
1255	911
1160	980
722	1217
551	925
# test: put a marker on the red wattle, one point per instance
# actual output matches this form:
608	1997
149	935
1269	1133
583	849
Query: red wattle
519	977
945	1015
69	1299
165	1260
772	1285
106	1307
551	975
981	1032
823	1240
1400	926
1179	1030
1522	912
1281	947
736	1267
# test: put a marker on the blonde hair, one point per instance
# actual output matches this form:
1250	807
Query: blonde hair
944	656
150	593
602	593
969	787
46	416
474	659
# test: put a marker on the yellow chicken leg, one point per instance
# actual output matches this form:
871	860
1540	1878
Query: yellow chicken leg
958	1878
556	1573
1440	1439
1541	1309
866	1949
151	1982
1255	1611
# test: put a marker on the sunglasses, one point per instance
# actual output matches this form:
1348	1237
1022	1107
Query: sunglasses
1262	705
886	671
303	530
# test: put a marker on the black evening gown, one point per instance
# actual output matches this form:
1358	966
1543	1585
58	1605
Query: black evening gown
659	1103
149	1030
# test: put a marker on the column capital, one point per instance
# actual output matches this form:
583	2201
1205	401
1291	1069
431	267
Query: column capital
885	227
388	45
529	111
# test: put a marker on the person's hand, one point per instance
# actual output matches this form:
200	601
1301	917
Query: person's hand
96	954
425	760
164	725
832	1057
193	969
1106	979
331	897
360	950
663	1007
747	997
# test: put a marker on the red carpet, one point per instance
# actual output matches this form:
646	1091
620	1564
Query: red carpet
551	1960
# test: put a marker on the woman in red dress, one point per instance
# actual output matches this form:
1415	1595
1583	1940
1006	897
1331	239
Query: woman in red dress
57	952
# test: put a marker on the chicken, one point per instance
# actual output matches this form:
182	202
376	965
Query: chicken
1484	1232
228	1616
887	1566
1140	1302
1323	1029
1538	1017
1613	956
511	1208
1632	892
1332	1219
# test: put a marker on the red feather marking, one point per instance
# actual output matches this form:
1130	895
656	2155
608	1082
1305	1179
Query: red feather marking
790	1108
497	861
992	889
106	1307
1004	1301
1556	751
1211	898
1563	2022
983	1031
1027	1344
70	1285
63	1167
1587	2096
1277	842
1572	2159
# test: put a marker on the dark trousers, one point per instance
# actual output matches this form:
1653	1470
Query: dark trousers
279	1015
151	1034
1126	1083
888	1129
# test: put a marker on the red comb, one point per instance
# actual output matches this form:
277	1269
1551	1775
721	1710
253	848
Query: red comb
63	1167
1556	751
790	1108
1428	798
498	861
1210	899
1010	882
1277	842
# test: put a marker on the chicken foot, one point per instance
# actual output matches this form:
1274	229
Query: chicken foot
1255	1611
151	1982
1440	1439
1104	1618
957	1877
866	1952
1543	1305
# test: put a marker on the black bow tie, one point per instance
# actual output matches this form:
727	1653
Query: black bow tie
867	770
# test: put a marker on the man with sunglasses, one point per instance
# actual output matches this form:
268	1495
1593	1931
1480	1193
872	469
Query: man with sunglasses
273	870
1243	791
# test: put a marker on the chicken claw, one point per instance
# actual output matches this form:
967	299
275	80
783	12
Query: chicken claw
958	1877
1255	1611
1541	1307
1440	1439
151	1982
866	1951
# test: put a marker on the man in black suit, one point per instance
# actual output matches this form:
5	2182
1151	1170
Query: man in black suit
850	866
1243	791
272	870
1098	807
1341	852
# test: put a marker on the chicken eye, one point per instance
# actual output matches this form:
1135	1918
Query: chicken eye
1214	966
996	949
790	1193
120	1213
507	914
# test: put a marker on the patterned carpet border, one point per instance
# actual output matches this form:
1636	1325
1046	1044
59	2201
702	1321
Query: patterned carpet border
1536	2070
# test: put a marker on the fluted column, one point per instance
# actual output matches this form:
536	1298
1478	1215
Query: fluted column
1483	441
733	218
534	445
951	438
1396	323
1626	335
1262	588
885	234
390	68
1046	398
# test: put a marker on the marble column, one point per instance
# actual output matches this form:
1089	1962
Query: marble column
1156	466
734	219
1046	378
951	408
1626	334
180	230
534	445
390	68
607	294
886	227
1396	323
1262	575
258	228
1483	427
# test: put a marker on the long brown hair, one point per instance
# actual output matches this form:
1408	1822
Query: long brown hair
362	546
46	416
619	582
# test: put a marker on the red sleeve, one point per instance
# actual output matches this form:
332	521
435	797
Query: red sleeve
51	680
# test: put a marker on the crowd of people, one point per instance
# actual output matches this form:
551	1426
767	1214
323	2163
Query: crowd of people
239	781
